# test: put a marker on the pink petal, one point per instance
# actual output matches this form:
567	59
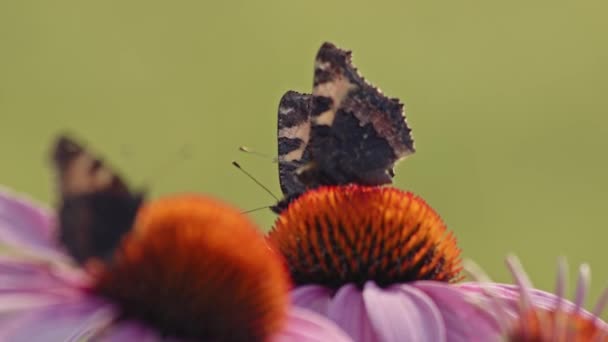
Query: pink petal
403	313
25	286
24	274
12	304
25	224
510	295
33	291
312	297
67	321
465	320
348	310
128	331
306	326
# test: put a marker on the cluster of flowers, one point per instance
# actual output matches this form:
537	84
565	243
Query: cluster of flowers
343	263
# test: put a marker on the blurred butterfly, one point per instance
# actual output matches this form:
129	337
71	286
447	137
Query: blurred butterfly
346	131
96	206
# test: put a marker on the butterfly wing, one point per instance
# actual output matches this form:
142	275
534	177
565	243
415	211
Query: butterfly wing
96	207
357	133
347	131
293	136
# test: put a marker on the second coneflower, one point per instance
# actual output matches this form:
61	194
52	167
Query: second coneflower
526	314
182	268
379	262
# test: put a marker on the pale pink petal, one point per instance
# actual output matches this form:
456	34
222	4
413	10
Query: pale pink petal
464	318
27	287
24	286
16	306
19	298
312	297
306	326
403	313
24	223
67	321
509	294
25	274
128	331
13	302
348	310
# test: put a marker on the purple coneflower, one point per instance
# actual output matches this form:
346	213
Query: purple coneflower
191	268
380	263
526	314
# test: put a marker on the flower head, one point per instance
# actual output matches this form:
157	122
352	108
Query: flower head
231	278
378	261
190	268
529	315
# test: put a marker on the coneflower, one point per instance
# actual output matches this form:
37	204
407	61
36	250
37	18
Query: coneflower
191	268
109	266
380	263
526	314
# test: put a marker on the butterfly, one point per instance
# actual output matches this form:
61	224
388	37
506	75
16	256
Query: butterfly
96	207
346	131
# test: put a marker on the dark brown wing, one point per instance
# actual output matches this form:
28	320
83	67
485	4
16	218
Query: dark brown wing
357	133
96	207
293	132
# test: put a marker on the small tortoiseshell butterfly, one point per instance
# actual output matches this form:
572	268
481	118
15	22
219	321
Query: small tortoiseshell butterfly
96	207
346	131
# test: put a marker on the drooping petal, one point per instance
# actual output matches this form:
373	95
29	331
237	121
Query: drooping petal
312	297
465	320
128	331
23	274
67	321
25	285
20	273
24	223
403	313
348	310
306	326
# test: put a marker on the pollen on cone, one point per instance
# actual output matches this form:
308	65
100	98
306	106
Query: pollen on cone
196	268
351	234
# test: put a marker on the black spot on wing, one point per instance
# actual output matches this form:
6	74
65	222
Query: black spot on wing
320	104
287	145
290	184
331	62
294	109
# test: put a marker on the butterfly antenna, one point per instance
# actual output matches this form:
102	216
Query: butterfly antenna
238	166
183	154
256	153
254	210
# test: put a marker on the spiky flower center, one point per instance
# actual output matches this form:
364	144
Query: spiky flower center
197	269
351	234
538	325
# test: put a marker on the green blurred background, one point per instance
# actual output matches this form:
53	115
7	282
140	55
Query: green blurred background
507	101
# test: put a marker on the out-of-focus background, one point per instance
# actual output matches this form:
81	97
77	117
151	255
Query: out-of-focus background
507	101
